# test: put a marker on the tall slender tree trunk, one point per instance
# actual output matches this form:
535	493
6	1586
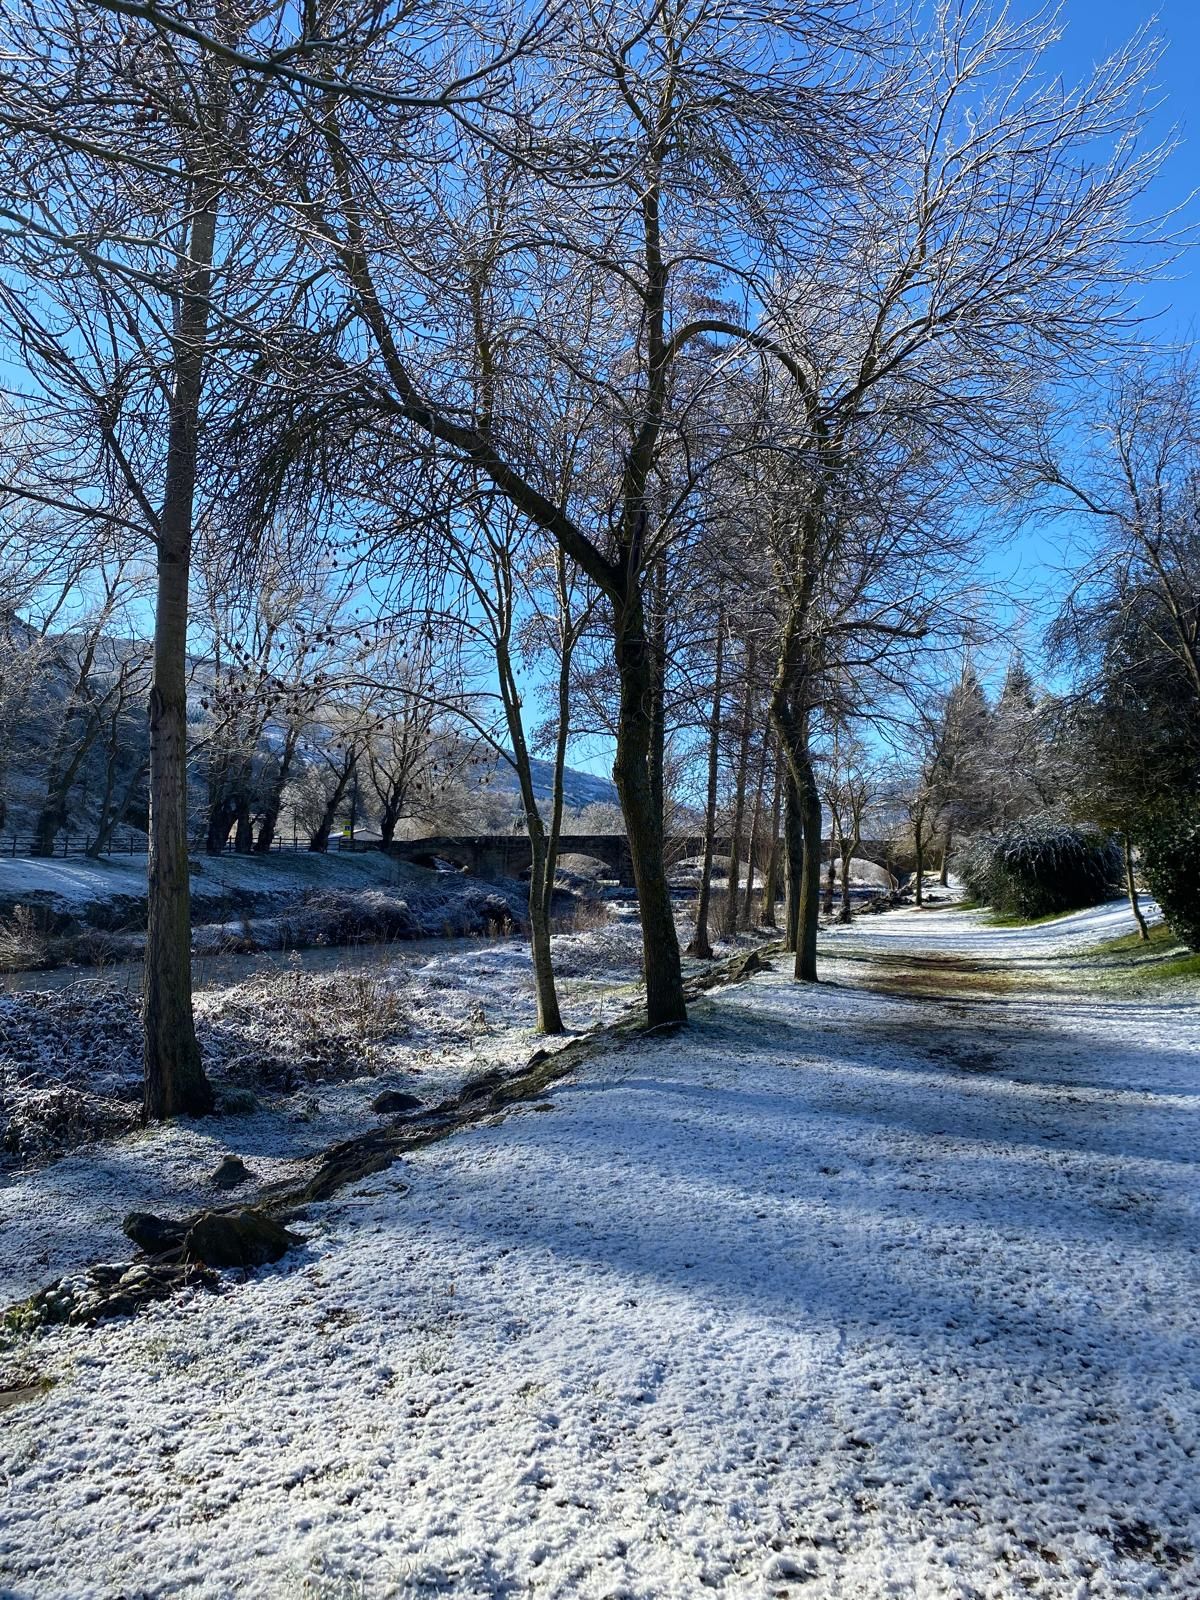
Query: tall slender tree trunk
810	879
1131	891
793	859
541	892
830	878
919	851
62	773
175	1080
747	910
549	1010
632	773
771	885
543	843
944	874
701	945
729	919
658	697
850	847
114	809
802	824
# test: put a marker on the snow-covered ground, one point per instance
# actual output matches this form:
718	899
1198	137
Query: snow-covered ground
297	900
312	1048
839	1294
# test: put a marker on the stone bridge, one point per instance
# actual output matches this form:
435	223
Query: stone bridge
507	855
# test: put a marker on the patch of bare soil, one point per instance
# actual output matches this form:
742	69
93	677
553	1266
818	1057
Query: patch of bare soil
936	977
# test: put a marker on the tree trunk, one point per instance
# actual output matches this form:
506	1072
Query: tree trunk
175	1081
747	911
701	945
541	890
543	846
830	879
274	801
52	817
389	819
919	851
548	1009
810	881
221	817
944	874
849	846
802	824
793	860
729	919
1131	890
658	697
632	773
50	820
771	886
319	838
115	810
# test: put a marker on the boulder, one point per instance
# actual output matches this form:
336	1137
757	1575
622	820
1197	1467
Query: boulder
230	1173
157	1236
236	1239
393	1103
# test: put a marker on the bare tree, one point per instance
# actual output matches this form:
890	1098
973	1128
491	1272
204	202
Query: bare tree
993	254
616	217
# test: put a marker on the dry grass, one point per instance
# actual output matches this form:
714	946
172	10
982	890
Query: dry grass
23	944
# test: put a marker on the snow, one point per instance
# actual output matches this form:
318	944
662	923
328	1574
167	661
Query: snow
840	1294
75	881
313	1048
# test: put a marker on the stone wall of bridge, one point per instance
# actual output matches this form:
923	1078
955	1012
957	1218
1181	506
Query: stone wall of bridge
508	855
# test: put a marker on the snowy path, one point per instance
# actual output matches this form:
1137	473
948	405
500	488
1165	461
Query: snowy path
840	1295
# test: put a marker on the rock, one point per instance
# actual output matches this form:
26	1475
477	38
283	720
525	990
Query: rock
111	1290
140	1285
232	1171
392	1103
155	1235
236	1239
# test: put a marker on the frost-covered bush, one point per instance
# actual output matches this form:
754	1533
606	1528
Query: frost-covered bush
1038	867
1170	852
22	941
70	1068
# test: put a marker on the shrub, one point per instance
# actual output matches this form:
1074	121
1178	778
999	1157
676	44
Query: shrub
1038	867
1170	852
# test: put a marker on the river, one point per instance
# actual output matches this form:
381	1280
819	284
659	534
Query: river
223	970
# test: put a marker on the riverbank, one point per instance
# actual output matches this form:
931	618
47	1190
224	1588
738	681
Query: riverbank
56	914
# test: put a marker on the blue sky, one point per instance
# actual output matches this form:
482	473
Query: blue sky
1031	560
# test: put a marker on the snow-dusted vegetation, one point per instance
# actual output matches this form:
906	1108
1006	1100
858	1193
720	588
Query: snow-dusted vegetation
298	1059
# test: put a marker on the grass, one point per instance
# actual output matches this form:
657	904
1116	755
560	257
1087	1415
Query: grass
1131	961
1014	920
1161	940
